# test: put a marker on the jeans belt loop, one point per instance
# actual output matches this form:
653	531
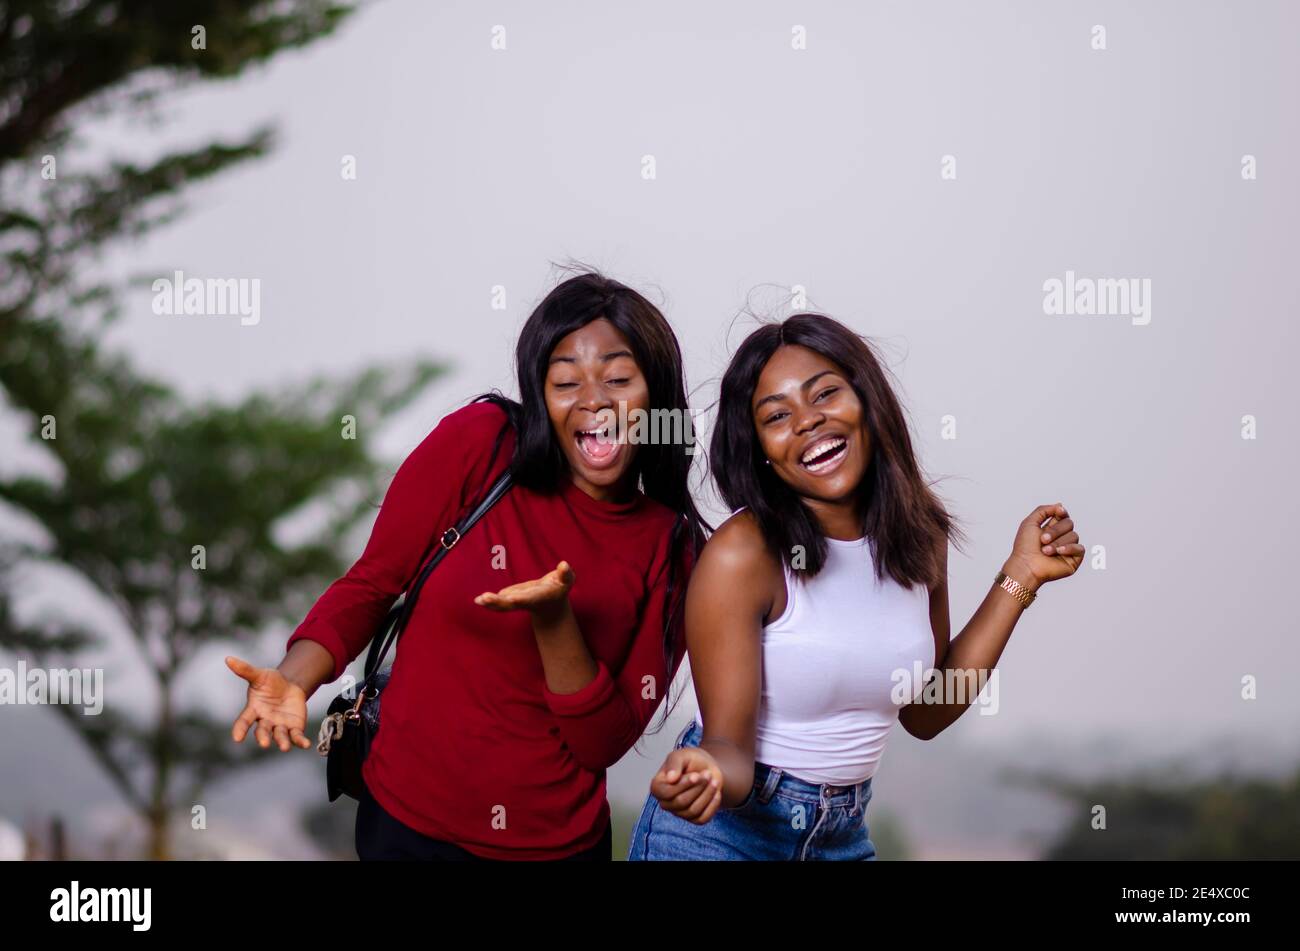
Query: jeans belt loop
769	786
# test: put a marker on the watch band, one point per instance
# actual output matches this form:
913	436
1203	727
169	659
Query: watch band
1014	588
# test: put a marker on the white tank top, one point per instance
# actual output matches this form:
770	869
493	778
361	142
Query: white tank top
838	664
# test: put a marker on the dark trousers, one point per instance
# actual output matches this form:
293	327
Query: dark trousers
381	837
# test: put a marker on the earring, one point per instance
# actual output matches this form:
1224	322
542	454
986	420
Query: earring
767	461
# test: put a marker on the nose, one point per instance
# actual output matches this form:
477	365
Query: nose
807	418
593	396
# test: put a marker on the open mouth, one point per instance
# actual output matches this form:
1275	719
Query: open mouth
825	454
598	446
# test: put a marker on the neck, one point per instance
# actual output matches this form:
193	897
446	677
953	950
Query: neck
620	491
839	520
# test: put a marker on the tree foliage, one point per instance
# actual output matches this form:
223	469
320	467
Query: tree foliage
167	507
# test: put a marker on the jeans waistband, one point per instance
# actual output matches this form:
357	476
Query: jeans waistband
771	780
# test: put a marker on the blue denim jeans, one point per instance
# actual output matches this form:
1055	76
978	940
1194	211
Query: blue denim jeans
782	819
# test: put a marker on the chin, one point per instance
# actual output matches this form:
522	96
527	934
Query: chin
603	477
831	490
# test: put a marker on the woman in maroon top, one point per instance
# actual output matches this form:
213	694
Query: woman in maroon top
544	642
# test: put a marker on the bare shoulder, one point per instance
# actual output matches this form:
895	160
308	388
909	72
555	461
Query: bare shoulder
738	544
738	559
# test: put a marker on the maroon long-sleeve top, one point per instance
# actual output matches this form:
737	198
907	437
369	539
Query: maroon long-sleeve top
472	747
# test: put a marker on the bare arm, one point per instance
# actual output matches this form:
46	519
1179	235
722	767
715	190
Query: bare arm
307	665
600	712
737	584
566	659
974	652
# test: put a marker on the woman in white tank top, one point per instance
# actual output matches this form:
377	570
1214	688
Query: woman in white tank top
829	694
819	610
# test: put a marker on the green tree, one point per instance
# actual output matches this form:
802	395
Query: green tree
167	507
145	478
1176	818
62	63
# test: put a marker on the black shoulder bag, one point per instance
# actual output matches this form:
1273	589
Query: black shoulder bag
350	724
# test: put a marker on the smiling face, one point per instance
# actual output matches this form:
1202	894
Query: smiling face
591	371
813	428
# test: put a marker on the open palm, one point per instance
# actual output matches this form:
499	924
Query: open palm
277	707
549	589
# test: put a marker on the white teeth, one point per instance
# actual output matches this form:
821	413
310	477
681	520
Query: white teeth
826	445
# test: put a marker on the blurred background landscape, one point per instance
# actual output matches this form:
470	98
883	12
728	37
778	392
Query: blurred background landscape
402	179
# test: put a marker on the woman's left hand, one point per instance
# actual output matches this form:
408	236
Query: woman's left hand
541	595
1046	548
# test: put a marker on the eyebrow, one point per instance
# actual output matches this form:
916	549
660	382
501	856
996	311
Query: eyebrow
780	397
612	355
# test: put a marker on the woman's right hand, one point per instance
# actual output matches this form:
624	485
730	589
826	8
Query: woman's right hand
689	785
278	707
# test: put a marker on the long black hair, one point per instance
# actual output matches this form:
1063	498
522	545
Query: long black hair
903	517
661	469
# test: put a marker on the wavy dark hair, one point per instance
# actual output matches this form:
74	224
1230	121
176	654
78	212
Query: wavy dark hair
662	470
903	516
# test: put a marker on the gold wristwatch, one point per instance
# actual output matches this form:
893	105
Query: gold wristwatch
1015	589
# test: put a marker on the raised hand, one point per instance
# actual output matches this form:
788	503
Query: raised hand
689	785
1046	547
541	594
277	706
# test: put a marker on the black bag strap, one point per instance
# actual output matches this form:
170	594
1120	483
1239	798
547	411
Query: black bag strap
380	646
